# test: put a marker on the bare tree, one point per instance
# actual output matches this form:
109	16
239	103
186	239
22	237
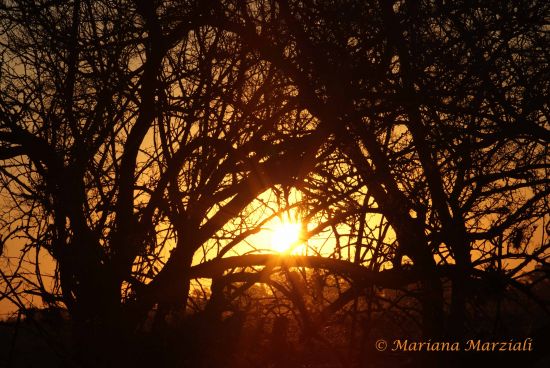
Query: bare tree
132	133
439	107
138	141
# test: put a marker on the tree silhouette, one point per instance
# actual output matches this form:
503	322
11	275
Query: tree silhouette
428	106
139	140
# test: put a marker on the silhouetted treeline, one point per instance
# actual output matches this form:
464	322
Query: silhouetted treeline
147	147
261	328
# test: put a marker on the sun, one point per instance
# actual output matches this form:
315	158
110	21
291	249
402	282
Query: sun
285	236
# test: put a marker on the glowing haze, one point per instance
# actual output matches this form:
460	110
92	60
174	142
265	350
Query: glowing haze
285	236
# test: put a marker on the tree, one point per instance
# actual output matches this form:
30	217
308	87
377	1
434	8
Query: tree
125	134
139	138
439	108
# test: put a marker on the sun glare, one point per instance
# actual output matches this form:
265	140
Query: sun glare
285	236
